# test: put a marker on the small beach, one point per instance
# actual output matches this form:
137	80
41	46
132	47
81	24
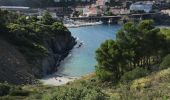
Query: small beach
81	59
57	80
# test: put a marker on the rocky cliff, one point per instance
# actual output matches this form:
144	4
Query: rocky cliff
30	47
14	67
58	48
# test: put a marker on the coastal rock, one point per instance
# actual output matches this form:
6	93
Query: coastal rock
13	66
58	48
16	69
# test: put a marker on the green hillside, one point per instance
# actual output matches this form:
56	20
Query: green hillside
154	86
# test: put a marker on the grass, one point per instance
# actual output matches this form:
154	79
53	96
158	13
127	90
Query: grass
155	86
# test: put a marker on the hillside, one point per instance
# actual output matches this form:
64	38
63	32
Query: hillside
13	66
31	48
155	86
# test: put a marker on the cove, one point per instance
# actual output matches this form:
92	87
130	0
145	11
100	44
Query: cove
81	60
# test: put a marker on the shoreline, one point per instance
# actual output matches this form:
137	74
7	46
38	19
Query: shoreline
57	79
81	24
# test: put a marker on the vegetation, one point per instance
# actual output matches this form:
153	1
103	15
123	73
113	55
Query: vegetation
136	45
6	89
26	34
134	74
166	62
153	86
129	61
74	94
41	3
30	34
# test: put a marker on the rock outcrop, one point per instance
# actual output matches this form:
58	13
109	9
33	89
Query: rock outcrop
13	66
58	48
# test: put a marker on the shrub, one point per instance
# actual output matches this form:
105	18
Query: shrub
134	74
19	93
166	62
4	89
104	75
65	93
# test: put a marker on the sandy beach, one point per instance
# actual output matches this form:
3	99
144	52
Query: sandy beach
56	80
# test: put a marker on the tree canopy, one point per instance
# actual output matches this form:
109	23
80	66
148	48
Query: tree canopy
136	45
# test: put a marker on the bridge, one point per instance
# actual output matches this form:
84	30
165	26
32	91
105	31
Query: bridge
113	18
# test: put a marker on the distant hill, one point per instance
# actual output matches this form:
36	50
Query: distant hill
37	3
30	3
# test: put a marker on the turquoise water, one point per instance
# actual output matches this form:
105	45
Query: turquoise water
81	60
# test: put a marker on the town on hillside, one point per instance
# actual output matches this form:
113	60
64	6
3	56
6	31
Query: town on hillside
100	11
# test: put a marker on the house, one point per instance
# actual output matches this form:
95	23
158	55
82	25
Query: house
119	11
146	6
102	2
91	11
60	11
167	11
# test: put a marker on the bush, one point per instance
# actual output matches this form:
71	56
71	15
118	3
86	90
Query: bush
134	74
65	93
166	62
104	75
4	89
19	93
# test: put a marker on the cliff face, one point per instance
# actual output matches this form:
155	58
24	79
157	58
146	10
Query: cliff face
58	48
31	47
14	67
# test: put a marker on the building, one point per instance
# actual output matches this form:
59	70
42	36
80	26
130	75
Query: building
167	11
146	6
119	11
91	11
102	2
60	11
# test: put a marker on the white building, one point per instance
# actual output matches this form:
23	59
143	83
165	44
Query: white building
167	11
142	6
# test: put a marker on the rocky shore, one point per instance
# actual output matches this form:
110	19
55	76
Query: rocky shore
15	67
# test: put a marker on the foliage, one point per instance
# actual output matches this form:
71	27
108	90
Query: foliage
19	93
136	45
47	19
41	3
77	13
153	86
58	27
30	35
4	89
166	62
104	75
134	74
109	60
74	94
